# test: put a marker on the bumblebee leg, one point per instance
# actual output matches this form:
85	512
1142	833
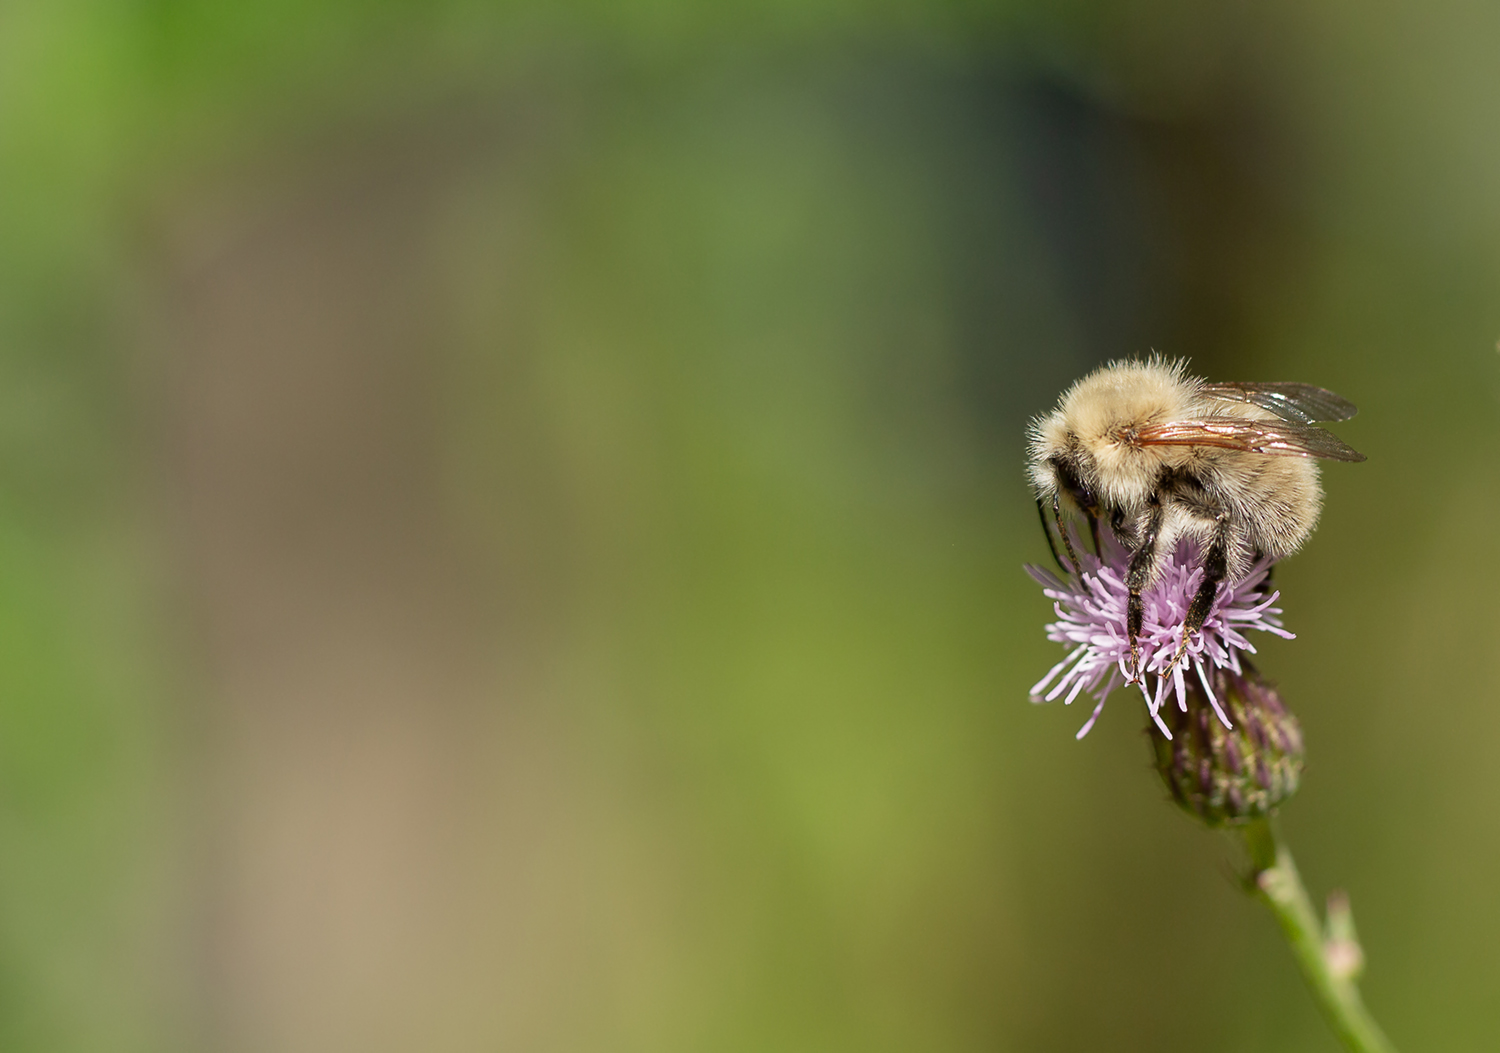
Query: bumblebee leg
1062	532
1041	512
1094	533
1142	563
1215	568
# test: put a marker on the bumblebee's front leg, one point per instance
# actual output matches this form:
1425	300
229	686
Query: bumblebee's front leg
1062	532
1041	511
1142	563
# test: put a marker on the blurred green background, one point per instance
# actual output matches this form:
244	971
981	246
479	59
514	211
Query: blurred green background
511	518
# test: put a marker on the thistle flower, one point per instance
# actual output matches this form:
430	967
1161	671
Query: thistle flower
1091	605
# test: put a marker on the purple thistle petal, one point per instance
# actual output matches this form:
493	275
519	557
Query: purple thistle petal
1044	681
1090	611
1089	724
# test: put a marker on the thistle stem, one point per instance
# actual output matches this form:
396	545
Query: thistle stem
1330	961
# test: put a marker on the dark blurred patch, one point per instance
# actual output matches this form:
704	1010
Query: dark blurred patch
1136	234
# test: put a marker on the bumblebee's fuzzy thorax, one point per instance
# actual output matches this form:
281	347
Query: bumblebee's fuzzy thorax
1137	393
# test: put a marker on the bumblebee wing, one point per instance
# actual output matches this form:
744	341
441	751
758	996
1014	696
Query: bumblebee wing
1299	403
1274	438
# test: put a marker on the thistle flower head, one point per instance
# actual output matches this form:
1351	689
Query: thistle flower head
1091	608
1228	776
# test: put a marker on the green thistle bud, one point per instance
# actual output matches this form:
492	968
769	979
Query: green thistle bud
1229	774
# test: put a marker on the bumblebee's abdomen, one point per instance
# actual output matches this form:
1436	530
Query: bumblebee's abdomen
1273	502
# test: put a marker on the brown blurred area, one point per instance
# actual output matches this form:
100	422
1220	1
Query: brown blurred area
392	812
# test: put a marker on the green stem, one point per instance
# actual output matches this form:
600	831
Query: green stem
1329	964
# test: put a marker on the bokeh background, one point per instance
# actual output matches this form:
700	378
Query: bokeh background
511	518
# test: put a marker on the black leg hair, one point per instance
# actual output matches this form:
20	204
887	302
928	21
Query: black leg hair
1142	562
1041	512
1215	568
1062	532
